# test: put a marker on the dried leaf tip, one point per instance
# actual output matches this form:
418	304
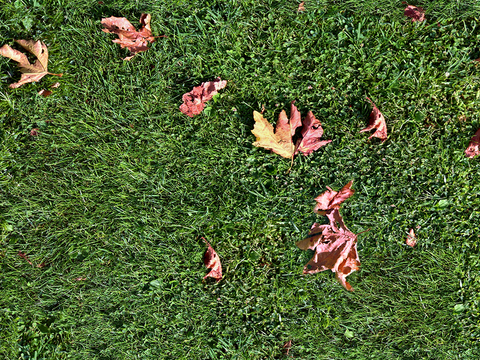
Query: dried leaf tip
376	121
212	261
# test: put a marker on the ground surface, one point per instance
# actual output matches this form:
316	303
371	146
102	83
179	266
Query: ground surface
117	188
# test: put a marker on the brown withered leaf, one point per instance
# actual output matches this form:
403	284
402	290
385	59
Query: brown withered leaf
128	36
44	93
281	141
287	346
334	244
56	85
416	13
376	121
473	148
194	101
411	238
301	7
30	72
24	257
212	261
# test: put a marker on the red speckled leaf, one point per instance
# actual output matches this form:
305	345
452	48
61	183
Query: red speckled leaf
473	148
194	101
416	13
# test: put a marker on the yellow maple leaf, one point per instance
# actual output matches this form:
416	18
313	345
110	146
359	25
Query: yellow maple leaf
30	73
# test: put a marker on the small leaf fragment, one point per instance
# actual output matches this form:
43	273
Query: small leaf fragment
376	121
473	148
44	93
416	13
301	7
30	73
194	101
212	261
411	238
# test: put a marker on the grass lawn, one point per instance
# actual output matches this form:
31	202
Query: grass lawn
117	188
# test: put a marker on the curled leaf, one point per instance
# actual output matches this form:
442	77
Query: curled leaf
194	101
416	13
376	121
128	36
331	199
473	148
212	261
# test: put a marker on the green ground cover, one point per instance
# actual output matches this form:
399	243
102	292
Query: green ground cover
119	186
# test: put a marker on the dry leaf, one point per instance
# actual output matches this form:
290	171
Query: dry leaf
80	278
281	141
194	101
30	73
24	257
473	148
34	132
411	238
376	121
334	244
56	85
44	93
301	6
287	346
128	36
415	12
212	261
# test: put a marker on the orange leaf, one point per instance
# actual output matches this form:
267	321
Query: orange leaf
416	13
30	73
376	121
301	6
128	36
194	101
473	148
212	261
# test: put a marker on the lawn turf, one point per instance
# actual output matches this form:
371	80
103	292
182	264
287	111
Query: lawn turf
117	188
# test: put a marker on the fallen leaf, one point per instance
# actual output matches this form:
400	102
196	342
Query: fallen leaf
281	141
212	261
56	85
376	121
44	93
30	73
473	148
411	238
128	36
42	265
416	13
194	101
301	7
331	199
80	278
334	244
312	131
24	257
34	132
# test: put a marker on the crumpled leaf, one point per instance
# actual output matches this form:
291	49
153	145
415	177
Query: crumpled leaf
330	199
411	238
334	244
376	121
30	73
301	7
212	261
473	148
194	101
416	13
128	36
281	141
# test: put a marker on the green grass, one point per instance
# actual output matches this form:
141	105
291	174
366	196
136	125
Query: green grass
119	186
